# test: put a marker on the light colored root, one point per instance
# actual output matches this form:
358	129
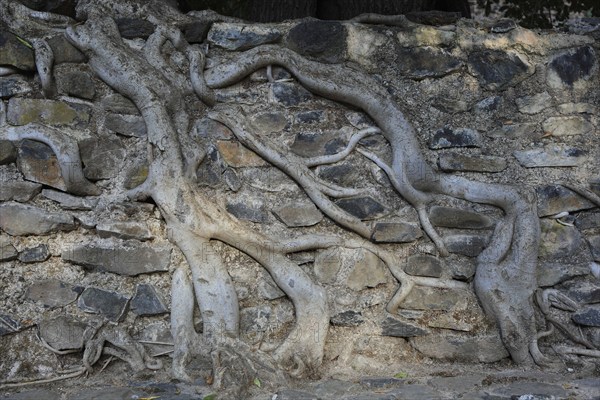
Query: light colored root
44	62
577	351
333	158
197	58
67	153
588	194
17	384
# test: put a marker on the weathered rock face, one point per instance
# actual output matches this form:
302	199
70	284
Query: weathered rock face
495	103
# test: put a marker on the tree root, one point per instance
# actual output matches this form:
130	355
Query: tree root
67	153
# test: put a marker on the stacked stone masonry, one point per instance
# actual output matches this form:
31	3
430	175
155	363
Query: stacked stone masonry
508	106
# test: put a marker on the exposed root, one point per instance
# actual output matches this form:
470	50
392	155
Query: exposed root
333	158
44	62
67	153
17	384
577	351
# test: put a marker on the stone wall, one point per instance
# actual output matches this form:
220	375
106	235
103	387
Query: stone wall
494	103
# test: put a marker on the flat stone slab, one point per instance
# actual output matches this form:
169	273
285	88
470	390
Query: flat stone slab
424	265
102	156
38	163
467	245
15	53
588	316
497	69
395	232
550	156
237	155
128	259
557	240
52	293
249	212
299	214
321	40
63	332
239	37
312	144
70	202
22	111
147	301
534	104
459	162
14	85
481	348
35	254
124	230
363	208
426	298
21	191
426	62
368	271
126	125
567	126
8	151
454	137
7	250
571	67
347	318
289	94
397	328
554	199
19	220
111	305
450	217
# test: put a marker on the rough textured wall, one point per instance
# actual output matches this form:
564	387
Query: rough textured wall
495	103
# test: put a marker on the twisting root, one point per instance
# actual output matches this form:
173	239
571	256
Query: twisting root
67	153
333	158
44	62
14	384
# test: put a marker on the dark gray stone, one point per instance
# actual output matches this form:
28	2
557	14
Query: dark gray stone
552	273
361	207
344	174
462	269
583	292
310	117
21	191
76	83
65	52
467	245
497	69
126	125
488	104
449	217
237	37
15	53
311	144
289	94
459	162
14	85
8	152
504	25
381	383
426	62
136	175
211	169
322	40
52	293
550	156
130	258
594	242
8	325
574	65
516	390
518	131
132	28
147	301
255	319
63	333
69	202
38	163
481	348
395	232
232	180
347	318
124	230
7	250
424	265
196	31
248	212
19	220
299	214
448	137
116	103
111	305
102	157
553	199
293	394
22	111
35	254
397	328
